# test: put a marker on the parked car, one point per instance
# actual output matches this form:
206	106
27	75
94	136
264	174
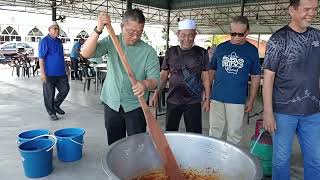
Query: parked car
3	59
11	48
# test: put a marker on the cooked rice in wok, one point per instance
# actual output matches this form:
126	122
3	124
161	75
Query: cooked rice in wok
188	174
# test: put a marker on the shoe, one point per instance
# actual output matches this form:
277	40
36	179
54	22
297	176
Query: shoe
59	111
54	117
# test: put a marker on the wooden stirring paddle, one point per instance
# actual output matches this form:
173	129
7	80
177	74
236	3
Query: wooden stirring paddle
157	136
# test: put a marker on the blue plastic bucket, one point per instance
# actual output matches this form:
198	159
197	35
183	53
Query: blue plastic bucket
36	156
69	144
27	135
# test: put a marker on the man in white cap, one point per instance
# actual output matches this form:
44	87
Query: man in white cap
189	83
53	71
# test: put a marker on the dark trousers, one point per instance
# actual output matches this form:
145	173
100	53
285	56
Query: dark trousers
75	68
119	123
49	90
191	114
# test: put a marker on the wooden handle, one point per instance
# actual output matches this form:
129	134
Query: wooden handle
159	139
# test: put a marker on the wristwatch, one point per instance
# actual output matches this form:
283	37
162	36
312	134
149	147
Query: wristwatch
97	31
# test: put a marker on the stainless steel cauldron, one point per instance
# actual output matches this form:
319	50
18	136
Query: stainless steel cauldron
132	156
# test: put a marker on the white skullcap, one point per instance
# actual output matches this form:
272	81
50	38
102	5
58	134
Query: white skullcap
187	24
53	23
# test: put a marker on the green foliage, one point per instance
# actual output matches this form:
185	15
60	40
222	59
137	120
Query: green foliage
144	37
217	39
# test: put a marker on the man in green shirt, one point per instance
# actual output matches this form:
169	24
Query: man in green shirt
123	113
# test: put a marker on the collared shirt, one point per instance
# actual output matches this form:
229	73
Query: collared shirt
75	50
51	50
117	89
195	61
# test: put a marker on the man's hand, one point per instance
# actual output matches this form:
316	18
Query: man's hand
248	107
103	19
154	100
269	124
138	89
206	105
43	78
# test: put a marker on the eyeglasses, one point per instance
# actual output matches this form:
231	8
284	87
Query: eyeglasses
234	34
132	33
56	29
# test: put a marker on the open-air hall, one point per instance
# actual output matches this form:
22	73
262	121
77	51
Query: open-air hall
21	95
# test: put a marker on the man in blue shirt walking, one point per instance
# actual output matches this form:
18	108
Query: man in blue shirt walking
53	73
231	65
74	56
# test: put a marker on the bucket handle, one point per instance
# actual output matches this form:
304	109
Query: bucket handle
81	144
45	135
255	143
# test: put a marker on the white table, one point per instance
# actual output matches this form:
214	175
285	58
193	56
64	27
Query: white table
97	68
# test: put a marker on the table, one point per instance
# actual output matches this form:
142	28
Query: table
97	67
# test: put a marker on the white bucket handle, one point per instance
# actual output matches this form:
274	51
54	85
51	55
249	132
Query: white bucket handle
261	132
81	144
44	135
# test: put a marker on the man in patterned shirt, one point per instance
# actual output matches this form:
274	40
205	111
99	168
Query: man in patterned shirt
291	91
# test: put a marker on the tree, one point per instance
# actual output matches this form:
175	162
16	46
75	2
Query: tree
217	39
145	37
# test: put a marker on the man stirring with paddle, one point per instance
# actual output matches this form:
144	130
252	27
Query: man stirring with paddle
122	110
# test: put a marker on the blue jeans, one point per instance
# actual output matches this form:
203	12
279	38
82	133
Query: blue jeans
307	128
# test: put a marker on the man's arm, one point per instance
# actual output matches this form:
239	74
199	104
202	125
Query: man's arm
139	88
150	84
163	81
255	83
267	92
206	84
164	74
89	47
42	70
212	74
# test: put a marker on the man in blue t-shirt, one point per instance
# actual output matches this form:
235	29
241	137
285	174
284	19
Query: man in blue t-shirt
53	71
230	67
291	95
74	56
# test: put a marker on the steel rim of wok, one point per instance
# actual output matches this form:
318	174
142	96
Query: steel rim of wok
107	169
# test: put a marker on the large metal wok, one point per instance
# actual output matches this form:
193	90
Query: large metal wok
135	155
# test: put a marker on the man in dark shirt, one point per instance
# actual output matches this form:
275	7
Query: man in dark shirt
291	95
179	61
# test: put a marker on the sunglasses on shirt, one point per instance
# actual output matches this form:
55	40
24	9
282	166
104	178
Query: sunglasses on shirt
234	34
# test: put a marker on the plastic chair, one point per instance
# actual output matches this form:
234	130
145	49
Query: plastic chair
87	74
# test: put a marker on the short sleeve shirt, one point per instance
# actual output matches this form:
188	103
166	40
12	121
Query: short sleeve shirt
233	65
195	61
117	89
75	48
295	59
51	51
